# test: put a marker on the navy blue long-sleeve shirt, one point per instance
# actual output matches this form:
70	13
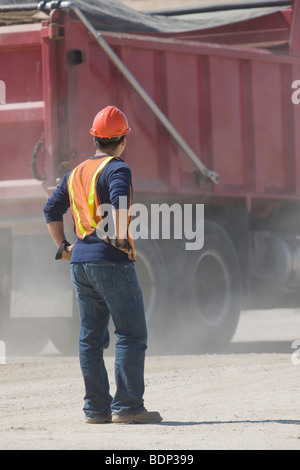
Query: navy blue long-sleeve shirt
113	182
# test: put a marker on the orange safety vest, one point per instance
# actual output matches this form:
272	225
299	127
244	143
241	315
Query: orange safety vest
84	199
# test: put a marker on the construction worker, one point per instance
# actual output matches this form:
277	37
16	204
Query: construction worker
103	274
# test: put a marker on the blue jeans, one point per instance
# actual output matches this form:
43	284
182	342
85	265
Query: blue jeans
104	289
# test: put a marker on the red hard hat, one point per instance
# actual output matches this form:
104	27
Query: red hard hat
109	123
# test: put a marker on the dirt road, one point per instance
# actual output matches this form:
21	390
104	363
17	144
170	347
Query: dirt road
240	400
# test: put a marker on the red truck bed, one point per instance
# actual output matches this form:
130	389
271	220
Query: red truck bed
232	104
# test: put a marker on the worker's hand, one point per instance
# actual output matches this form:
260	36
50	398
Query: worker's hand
64	251
67	253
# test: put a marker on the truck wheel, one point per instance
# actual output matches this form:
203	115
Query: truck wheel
210	291
151	273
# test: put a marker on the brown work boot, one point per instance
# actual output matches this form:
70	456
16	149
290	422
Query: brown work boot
98	420
145	417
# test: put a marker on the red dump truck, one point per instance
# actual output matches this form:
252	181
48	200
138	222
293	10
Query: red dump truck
215	121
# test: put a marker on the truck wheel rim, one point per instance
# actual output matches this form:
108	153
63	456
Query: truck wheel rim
211	287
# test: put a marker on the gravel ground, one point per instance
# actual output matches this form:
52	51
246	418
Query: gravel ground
245	399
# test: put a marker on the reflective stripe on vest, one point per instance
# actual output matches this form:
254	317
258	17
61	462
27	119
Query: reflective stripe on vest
92	195
73	206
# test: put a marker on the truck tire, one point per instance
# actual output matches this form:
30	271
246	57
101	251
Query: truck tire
152	276
210	291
